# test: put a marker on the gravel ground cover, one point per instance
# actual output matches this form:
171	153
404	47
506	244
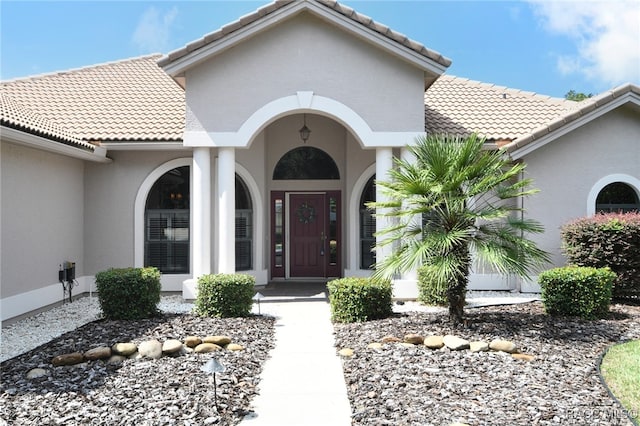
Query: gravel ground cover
399	385
167	391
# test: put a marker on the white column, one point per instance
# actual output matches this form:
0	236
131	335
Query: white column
384	163
201	212
409	157
227	210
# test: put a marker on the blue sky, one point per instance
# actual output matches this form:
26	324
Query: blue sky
547	47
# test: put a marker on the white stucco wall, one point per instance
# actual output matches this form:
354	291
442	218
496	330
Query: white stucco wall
305	54
110	193
566	169
42	218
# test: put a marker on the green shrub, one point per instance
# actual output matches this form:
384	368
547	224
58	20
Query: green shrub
607	240
225	295
359	299
431	290
577	291
129	293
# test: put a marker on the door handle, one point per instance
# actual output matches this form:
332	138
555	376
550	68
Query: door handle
322	239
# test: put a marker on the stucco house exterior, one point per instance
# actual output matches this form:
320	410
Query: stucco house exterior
195	161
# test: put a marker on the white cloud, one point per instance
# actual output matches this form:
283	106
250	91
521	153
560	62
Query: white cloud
606	35
152	32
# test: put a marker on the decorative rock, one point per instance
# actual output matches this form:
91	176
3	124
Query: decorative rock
192	341
186	350
390	339
503	346
68	359
204	348
375	345
407	345
414	339
218	340
136	355
234	347
124	349
523	357
102	352
36	373
478	346
116	359
455	343
433	342
347	352
150	349
171	346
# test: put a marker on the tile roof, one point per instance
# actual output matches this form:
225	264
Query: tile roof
331	4
128	100
580	109
461	106
15	116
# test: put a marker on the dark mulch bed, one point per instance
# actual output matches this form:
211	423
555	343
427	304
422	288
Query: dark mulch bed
396	385
168	391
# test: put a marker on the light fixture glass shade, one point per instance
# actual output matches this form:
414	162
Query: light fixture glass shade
304	133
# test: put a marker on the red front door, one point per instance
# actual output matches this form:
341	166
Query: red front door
306	234
307	219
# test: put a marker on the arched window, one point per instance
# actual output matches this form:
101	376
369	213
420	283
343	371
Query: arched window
617	197
166	217
306	162
367	225
244	227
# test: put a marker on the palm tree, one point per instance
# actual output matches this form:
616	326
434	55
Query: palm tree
455	201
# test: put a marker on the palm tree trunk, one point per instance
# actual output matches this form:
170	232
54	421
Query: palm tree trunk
458	288
456	299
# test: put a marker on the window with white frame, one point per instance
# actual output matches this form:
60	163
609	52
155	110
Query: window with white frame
367	225
244	227
617	197
166	216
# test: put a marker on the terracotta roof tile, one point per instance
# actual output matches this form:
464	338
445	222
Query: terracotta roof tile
129	100
15	116
460	106
576	110
331	4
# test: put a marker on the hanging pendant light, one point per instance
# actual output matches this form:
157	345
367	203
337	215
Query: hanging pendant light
305	132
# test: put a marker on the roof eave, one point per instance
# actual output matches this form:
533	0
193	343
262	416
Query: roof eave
144	146
19	137
592	109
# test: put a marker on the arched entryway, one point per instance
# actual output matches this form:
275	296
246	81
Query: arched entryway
306	226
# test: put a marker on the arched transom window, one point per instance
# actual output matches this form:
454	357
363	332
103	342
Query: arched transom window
617	197
306	162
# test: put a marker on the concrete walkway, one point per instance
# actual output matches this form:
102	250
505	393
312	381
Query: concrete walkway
302	382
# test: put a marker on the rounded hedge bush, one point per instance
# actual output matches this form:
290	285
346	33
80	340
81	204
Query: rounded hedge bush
577	291
607	240
225	295
129	293
359	299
